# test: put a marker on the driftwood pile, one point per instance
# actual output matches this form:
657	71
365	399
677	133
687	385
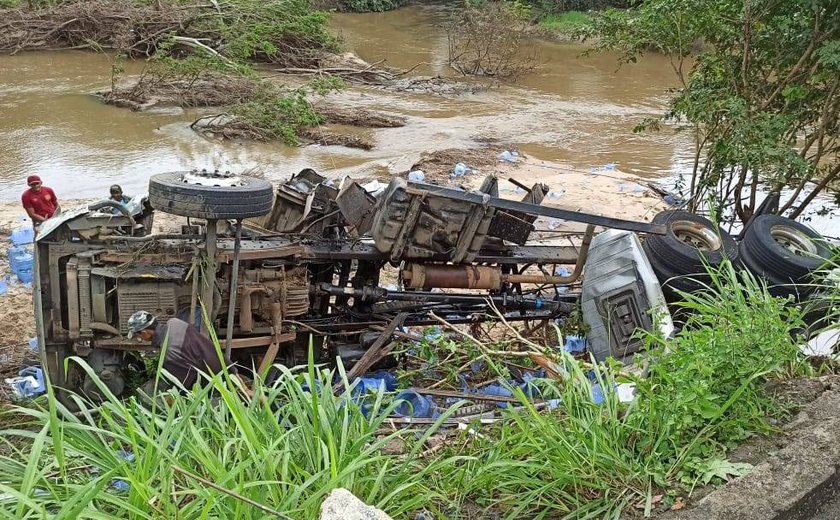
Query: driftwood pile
99	24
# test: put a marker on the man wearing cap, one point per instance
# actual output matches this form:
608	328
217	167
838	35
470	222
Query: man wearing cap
187	351
117	196
39	201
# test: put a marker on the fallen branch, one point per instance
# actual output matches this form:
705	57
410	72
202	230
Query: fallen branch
195	43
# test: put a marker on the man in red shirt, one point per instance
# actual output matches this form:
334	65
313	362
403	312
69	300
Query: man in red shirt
39	201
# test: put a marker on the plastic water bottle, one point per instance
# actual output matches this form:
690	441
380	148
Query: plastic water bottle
507	156
24	234
28	383
574	343
412	404
4	286
416	176
562	271
460	170
25	276
33	344
20	259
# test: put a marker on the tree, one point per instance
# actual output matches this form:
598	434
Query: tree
491	38
759	90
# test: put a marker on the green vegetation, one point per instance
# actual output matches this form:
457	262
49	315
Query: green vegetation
759	89
704	393
363	6
188	72
279	115
197	55
289	446
286	455
568	23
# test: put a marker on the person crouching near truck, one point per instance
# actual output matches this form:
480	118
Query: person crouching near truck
187	353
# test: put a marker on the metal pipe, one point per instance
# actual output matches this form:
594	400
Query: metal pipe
209	277
558	280
194	288
428	276
149	238
378	293
234	282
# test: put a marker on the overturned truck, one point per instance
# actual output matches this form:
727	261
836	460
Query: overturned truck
273	271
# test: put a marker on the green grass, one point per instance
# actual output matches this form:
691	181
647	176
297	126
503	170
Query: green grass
703	395
567	23
287	455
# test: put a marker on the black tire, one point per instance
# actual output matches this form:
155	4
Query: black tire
672	280
784	252
675	257
251	198
690	240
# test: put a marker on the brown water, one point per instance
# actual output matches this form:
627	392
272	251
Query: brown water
574	110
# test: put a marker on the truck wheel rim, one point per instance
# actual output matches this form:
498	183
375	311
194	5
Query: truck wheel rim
793	240
696	235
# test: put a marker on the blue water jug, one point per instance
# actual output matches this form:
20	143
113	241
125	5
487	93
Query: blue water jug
412	404
25	275
23	235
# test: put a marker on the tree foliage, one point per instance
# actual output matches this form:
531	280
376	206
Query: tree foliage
363	6
759	90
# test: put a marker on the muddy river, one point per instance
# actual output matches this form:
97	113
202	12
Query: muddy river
574	110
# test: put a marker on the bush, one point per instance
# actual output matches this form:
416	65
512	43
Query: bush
491	39
365	6
289	446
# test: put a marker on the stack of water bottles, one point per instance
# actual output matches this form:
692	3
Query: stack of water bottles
20	252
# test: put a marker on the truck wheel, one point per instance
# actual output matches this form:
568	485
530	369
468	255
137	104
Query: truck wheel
679	258
210	195
690	240
784	252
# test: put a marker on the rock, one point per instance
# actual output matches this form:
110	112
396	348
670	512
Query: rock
343	505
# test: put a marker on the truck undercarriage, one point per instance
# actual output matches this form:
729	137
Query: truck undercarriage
272	269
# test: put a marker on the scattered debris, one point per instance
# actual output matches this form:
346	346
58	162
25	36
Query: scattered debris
29	383
210	90
824	344
327	138
435	85
442	164
360	117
